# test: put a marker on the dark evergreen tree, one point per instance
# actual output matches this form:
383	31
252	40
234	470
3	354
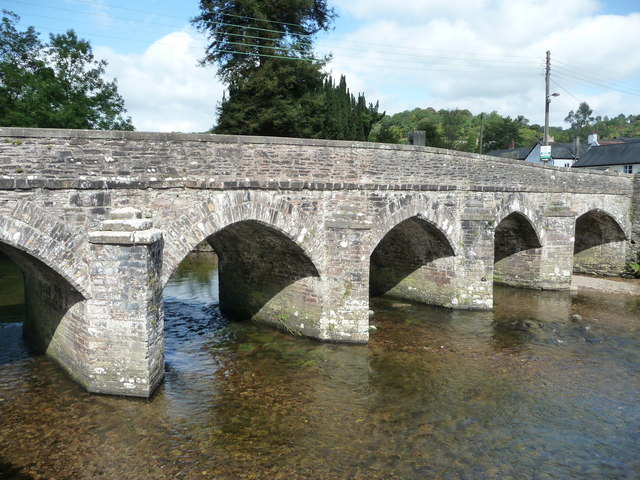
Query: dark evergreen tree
276	85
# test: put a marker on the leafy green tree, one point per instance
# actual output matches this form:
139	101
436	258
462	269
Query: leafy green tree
384	132
459	130
264	53
502	132
278	99
581	120
456	125
59	84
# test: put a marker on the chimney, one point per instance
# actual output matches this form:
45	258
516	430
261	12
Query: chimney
576	148
418	137
592	139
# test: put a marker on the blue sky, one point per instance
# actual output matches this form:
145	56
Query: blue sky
482	55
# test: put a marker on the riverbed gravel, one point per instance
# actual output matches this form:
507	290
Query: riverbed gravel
609	285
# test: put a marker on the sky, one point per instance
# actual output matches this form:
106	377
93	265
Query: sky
480	55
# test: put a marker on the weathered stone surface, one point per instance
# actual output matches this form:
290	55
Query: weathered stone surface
304	230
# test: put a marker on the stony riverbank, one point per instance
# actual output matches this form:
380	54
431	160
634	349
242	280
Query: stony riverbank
609	285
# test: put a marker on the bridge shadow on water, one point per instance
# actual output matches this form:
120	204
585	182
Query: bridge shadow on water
9	471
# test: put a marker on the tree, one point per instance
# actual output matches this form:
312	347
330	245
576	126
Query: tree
275	83
59	84
246	34
580	120
502	132
432	132
455	129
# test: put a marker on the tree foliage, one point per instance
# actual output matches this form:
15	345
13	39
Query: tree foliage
502	132
457	129
460	129
58	84
275	84
245	34
581	120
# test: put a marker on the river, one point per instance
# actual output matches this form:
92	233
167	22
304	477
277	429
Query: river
529	390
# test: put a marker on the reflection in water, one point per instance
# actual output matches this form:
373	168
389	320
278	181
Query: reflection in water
526	391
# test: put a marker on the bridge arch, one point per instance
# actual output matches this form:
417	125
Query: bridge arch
599	239
195	225
56	281
523	206
619	213
517	251
30	229
264	271
402	208
414	258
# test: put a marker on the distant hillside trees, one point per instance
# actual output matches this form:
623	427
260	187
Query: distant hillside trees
455	129
460	129
275	83
58	84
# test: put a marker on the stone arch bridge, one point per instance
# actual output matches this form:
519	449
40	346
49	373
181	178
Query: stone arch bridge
305	230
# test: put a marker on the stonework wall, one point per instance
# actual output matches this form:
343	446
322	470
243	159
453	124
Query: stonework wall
634	250
304	229
105	160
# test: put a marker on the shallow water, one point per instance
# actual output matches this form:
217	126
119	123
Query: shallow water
520	392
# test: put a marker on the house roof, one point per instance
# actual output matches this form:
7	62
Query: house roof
615	140
567	150
515	153
615	154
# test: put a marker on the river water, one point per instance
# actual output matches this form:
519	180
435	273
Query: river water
525	391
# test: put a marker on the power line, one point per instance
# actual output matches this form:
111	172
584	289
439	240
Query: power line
104	15
410	55
391	49
565	90
587	71
596	78
393	64
575	78
388	56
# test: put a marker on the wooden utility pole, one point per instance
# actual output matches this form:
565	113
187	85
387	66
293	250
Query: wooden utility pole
547	99
481	130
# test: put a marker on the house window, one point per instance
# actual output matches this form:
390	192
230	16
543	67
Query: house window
628	169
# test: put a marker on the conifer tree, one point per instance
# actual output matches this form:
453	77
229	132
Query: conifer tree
275	84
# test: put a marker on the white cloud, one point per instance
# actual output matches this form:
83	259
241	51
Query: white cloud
407	11
164	88
489	55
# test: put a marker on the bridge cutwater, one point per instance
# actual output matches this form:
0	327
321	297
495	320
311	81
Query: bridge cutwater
305	231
